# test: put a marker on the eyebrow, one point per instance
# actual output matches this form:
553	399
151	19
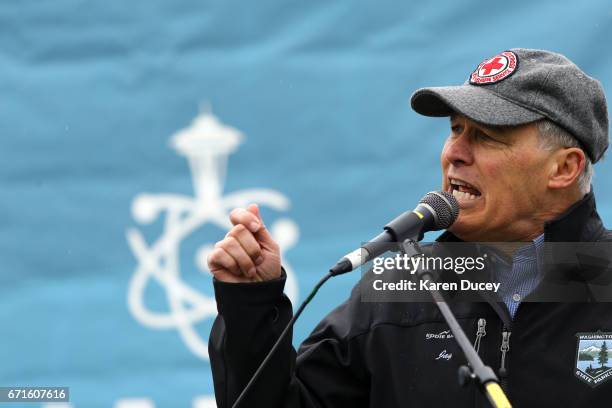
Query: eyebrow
486	128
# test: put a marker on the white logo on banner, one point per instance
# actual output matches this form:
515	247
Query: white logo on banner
206	144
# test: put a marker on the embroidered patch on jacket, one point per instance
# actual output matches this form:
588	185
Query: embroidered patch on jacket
444	355
495	69
446	334
594	358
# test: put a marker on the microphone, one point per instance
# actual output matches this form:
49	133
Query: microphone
437	210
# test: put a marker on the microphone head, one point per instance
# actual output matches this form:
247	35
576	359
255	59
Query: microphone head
445	208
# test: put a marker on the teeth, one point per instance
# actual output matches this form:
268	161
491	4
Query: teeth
464	196
461	183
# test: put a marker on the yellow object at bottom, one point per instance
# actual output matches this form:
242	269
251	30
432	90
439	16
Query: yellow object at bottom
497	396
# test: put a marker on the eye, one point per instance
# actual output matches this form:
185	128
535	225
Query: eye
457	129
480	135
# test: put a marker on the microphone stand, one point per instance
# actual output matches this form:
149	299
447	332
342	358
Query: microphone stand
475	370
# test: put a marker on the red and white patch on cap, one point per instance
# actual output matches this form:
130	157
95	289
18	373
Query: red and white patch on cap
495	69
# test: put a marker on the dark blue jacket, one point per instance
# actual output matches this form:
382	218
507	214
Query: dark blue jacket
401	355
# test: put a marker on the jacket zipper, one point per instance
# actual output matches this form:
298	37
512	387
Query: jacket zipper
505	347
480	333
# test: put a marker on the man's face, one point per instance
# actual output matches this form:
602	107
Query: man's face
499	177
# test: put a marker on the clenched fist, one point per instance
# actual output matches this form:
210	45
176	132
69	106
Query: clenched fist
247	253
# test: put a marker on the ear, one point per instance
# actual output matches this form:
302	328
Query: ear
568	164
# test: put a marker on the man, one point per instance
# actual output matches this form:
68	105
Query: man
525	129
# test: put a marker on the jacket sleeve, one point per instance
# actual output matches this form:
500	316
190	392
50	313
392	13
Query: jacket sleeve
326	372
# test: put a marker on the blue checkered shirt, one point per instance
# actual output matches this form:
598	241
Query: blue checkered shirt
519	278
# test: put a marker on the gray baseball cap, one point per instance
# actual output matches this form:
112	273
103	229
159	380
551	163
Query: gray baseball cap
520	86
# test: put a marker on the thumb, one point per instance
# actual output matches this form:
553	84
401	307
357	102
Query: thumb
254	209
262	234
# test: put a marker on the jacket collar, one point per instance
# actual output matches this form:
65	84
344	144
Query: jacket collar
572	272
579	223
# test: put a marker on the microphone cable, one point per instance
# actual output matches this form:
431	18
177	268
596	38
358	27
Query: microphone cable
282	336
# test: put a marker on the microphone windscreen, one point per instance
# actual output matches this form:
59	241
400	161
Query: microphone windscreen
445	206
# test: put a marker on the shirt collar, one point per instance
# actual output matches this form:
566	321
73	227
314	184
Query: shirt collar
531	251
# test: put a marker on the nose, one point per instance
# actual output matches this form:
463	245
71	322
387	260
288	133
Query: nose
458	149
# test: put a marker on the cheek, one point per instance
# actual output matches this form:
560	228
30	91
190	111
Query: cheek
503	177
513	179
493	170
494	175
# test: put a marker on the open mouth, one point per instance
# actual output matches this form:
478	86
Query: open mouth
463	190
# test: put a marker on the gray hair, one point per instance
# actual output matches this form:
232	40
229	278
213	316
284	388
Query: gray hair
553	136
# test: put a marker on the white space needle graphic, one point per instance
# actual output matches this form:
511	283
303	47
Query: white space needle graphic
206	144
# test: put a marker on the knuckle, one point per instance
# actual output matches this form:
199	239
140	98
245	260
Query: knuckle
212	257
243	258
256	251
230	241
232	266
238	230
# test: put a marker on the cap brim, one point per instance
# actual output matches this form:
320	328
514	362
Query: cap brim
474	102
